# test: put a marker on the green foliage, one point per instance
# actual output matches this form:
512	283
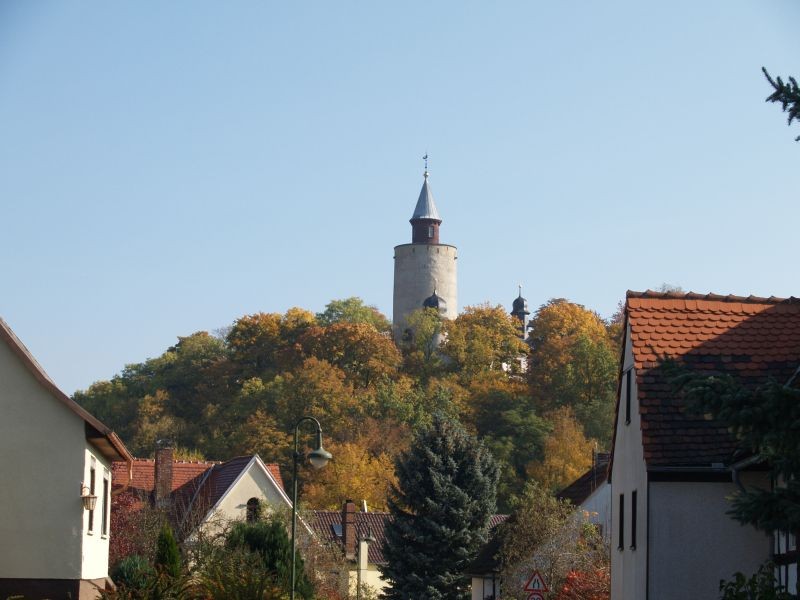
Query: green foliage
546	534
133	572
573	363
353	310
168	557
787	95
441	509
766	421
762	585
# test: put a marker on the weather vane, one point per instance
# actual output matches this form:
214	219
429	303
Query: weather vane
425	158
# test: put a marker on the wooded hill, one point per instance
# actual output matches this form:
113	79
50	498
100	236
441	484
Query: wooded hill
241	390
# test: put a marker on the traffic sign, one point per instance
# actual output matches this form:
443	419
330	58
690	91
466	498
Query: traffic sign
535	596
535	584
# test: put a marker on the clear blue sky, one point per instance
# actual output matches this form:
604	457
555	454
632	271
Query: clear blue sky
167	167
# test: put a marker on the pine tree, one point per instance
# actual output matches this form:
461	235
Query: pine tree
440	510
787	94
168	558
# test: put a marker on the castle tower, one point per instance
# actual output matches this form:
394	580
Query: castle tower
424	269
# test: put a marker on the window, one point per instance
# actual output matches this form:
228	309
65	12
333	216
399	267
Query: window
91	493
621	535
633	520
253	510
104	506
430	231
628	396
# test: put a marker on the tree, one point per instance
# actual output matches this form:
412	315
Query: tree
483	338
787	95
573	363
547	534
422	347
353	310
440	513
567	452
356	348
168	558
354	472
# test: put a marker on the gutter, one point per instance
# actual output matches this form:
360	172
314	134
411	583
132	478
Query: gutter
743	464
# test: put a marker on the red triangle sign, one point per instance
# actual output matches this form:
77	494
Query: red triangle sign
535	583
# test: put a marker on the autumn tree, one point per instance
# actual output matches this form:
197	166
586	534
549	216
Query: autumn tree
440	510
355	472
572	363
422	347
358	349
483	338
353	310
546	534
567	452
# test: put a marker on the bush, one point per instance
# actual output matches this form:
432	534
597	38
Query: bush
761	586
133	572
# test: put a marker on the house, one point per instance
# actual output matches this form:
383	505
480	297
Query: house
55	484
350	530
484	571
591	494
671	469
204	493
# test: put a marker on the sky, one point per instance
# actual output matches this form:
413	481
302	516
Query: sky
168	167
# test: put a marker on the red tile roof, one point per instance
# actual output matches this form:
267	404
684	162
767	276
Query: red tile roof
324	520
206	480
751	338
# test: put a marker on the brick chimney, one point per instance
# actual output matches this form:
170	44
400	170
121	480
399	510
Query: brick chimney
163	474
349	529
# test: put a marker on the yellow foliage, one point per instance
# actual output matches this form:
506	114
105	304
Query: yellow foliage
567	452
354	473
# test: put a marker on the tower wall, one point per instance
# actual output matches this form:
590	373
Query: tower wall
417	268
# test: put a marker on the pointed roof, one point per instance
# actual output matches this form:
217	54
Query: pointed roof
425	209
103	438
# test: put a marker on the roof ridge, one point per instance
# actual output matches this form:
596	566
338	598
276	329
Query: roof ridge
653	295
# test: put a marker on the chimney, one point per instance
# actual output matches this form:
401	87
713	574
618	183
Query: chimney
349	529
163	474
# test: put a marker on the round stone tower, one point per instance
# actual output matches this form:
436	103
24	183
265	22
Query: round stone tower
424	268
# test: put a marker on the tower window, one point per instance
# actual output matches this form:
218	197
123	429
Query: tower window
430	231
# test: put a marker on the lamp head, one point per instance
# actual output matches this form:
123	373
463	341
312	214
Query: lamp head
319	457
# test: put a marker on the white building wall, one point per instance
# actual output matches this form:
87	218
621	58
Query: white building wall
43	449
597	509
628	566
95	542
417	268
694	544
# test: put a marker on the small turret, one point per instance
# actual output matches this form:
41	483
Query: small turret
425	221
435	301
519	310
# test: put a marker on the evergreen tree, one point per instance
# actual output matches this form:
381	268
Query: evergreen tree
168	558
440	510
787	94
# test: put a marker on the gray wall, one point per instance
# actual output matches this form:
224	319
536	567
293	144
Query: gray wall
694	544
416	268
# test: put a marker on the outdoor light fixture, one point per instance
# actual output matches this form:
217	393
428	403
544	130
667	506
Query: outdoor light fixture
89	500
318	458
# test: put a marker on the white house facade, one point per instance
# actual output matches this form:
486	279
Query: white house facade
673	470
54	454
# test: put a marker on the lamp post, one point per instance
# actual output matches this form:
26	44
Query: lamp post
318	458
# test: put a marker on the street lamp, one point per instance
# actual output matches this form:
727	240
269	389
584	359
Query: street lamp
318	458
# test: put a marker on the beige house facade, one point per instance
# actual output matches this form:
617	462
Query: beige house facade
54	454
672	470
